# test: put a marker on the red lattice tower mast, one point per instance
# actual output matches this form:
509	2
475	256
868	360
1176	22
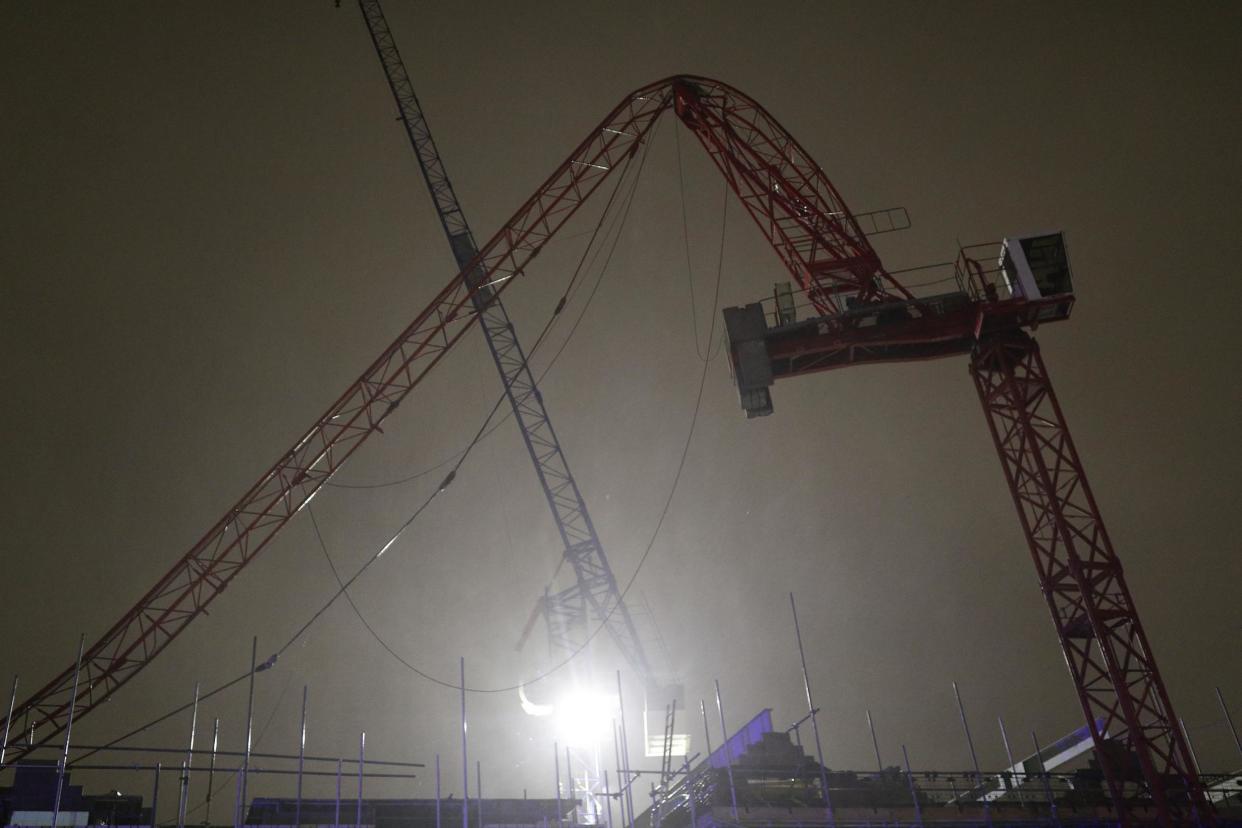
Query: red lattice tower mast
1105	648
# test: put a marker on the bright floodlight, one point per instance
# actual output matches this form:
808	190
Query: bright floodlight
584	717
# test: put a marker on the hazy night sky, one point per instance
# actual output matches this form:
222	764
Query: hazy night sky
212	223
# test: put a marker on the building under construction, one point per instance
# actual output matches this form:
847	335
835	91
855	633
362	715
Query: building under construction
760	777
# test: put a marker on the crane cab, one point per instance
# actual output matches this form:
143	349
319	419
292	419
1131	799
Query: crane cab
1036	267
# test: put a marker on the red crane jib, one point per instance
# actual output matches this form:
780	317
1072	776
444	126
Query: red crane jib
864	315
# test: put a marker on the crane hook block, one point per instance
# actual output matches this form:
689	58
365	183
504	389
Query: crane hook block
745	328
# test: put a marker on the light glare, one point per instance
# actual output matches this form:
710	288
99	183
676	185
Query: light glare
584	717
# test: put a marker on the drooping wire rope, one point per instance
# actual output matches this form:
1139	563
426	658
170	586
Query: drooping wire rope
655	534
202	698
457	461
271	661
566	297
724	214
624	213
685	239
713	354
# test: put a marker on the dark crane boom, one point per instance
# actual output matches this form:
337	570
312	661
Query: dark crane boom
595	594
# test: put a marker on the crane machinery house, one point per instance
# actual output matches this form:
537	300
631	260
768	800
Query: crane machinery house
1036	267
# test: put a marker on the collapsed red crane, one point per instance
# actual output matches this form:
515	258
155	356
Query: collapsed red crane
864	315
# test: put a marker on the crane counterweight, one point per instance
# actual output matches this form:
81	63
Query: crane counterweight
1029	285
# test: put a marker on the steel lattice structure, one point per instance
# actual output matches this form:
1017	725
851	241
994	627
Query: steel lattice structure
1119	687
866	317
790	199
594	595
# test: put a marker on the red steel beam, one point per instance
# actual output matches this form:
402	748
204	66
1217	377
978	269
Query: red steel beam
792	202
1119	687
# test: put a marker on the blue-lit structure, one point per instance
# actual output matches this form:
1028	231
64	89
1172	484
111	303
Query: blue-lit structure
595	594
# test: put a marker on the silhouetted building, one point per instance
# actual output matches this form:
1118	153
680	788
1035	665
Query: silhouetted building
411	813
31	801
